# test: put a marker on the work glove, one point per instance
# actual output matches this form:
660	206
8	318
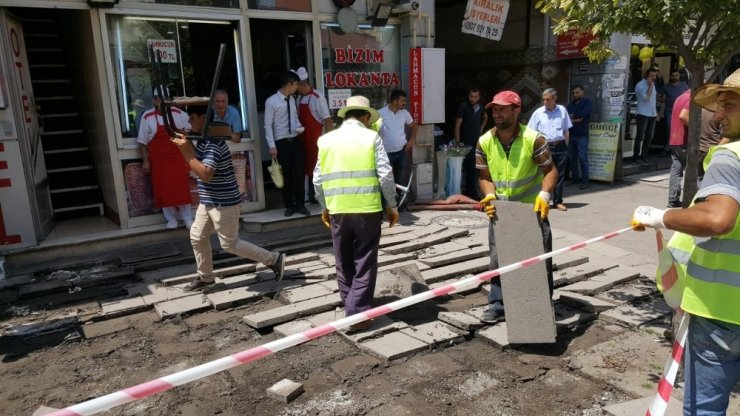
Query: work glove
325	218
645	216
488	205
392	214
542	204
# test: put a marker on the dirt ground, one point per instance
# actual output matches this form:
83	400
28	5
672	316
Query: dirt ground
472	377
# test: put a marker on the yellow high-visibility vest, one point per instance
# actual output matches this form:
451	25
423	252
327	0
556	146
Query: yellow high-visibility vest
516	177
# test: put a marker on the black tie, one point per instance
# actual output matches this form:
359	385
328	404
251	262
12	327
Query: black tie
287	101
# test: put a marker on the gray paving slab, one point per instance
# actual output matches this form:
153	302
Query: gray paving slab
569	259
397	229
188	304
165	273
460	320
628	293
286	313
298	294
567	316
441	249
453	270
419	265
154	293
434	333
398	282
390	241
425	230
228	298
44	410
477	311
529	315
326	317
640	406
582	272
471	289
600	283
496	334
429	240
587	303
292	327
325	273
122	307
393	346
380	326
636	316
106	327
455	257
285	390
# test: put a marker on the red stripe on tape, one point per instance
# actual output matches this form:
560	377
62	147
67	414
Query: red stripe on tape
610	235
677	352
648	413
3	164
320	331
529	262
664	389
2	147
577	246
659	237
375	312
147	389
441	291
5	183
251	354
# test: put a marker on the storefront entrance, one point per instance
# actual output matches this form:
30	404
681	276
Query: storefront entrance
277	46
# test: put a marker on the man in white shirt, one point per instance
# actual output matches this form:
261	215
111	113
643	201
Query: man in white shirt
394	119
313	113
553	121
281	132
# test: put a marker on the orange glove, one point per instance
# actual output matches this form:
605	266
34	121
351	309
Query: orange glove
325	218
488	205
392	214
542	204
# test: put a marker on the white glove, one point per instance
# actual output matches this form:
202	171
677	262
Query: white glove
545	196
649	217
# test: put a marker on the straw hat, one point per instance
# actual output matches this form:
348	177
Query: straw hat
706	96
359	102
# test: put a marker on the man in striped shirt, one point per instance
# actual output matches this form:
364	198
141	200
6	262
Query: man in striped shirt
220	201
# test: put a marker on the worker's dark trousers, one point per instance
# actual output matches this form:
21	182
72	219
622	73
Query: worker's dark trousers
356	238
495	297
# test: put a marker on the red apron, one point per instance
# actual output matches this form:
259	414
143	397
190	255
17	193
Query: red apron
169	171
310	136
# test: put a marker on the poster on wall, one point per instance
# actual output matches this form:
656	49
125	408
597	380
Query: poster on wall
485	18
603	142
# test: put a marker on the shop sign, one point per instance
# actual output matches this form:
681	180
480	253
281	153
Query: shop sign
603	141
360	79
338	98
571	43
415	84
485	18
164	49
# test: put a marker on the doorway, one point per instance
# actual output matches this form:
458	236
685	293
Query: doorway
277	46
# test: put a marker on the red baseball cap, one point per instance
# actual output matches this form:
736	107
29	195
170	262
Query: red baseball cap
505	98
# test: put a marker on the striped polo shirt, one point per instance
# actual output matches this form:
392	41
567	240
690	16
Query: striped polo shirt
222	189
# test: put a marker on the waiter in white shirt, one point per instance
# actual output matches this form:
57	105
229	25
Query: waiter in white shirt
281	132
394	118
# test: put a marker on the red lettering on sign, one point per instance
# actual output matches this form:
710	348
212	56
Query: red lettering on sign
415	84
3	165
6	239
15	45
26	108
340	56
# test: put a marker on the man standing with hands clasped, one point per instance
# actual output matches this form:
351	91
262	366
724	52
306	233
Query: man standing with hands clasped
351	176
580	114
514	164
706	246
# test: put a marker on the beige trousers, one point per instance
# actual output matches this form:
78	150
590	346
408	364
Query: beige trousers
225	221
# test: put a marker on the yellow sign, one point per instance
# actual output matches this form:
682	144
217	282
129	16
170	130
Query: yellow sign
603	141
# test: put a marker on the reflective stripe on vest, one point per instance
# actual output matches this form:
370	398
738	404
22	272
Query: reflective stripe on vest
348	173
518	178
712	280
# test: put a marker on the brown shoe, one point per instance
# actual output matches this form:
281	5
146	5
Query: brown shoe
561	207
361	326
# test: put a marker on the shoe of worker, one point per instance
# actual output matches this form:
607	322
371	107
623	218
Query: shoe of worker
490	316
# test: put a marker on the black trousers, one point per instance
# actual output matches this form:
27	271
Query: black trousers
496	295
470	176
291	158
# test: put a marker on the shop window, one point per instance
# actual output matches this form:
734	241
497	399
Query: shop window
287	5
366	62
189	49
229	4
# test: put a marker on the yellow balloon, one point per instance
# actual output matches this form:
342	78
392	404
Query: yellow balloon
635	50
662	49
646	53
681	62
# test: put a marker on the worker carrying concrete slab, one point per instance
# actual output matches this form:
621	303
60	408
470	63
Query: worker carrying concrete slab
514	164
352	174
706	250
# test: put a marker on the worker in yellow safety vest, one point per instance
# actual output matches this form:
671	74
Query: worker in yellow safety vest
514	164
707	243
352	174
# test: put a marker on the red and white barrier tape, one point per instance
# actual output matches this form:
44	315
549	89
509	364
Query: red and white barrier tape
150	388
668	380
